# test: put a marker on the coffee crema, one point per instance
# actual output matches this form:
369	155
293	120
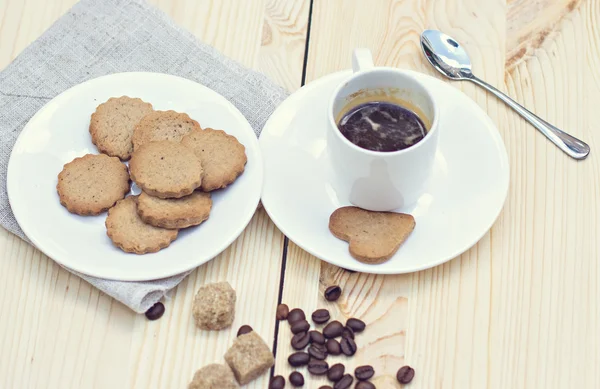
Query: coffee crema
382	126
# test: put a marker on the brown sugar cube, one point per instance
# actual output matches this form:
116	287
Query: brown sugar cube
213	376
249	357
214	306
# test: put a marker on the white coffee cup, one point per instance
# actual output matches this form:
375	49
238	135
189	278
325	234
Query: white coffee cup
376	180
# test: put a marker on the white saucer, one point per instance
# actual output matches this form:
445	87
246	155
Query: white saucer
59	132
463	199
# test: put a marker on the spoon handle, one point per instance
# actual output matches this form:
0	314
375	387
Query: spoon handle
567	143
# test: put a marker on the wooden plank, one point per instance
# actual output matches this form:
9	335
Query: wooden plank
517	310
547	289
56	331
424	319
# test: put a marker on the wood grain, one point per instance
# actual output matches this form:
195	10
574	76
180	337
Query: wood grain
519	309
56	331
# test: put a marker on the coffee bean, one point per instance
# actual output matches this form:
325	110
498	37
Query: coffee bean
244	330
156	311
347	333
318	351
336	372
277	382
333	293
298	359
333	329
405	374
300	326
295	315
296	379
348	346
282	312
317	367
316	337
344	383
320	316
333	347
357	325
363	373
325	387
300	340
365	385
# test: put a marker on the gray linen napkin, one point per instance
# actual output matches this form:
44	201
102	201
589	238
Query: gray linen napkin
99	37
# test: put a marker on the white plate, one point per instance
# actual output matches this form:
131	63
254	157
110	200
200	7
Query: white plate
59	132
463	198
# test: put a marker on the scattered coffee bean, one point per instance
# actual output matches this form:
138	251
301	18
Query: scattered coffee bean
363	373
298	359
357	325
344	383
156	311
316	337
325	387
365	385
318	351
295	315
336	372
320	316
333	347
333	329
282	312
333	293
347	333
300	340
348	346
296	379
405	374
277	382
244	330
300	326
317	367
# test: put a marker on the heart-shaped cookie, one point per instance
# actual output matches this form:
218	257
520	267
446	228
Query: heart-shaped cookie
374	237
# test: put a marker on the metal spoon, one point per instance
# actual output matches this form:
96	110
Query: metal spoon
450	59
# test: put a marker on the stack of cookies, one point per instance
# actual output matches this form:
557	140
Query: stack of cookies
172	160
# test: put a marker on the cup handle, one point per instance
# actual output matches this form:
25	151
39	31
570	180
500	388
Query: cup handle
362	59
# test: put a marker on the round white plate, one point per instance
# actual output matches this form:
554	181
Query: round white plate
463	199
59	132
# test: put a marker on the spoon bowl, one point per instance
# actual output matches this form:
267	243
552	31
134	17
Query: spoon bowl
446	55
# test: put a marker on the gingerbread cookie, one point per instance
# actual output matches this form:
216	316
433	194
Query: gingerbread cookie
184	212
163	125
373	236
129	233
111	126
165	169
223	158
91	184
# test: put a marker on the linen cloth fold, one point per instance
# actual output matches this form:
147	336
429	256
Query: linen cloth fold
100	37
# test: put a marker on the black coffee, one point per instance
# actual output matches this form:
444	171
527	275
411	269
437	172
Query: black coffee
382	126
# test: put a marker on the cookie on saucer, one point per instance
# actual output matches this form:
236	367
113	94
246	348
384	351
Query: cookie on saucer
374	237
111	126
129	233
178	213
163	125
91	184
165	169
222	156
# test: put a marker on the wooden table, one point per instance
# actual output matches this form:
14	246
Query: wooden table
519	310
